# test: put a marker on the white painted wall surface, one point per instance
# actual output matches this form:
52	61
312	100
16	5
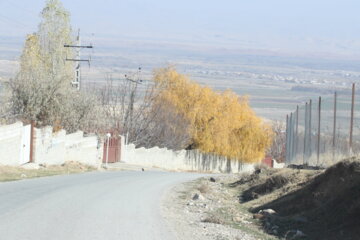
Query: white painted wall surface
181	160
49	148
278	165
58	148
86	150
10	144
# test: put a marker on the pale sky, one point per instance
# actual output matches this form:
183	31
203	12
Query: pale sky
296	24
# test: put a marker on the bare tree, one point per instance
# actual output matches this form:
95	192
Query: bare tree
277	150
163	127
130	108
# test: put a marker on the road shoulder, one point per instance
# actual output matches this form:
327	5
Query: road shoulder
202	210
8	173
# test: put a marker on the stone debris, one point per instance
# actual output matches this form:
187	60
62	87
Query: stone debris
267	212
258	216
212	179
295	235
198	196
207	215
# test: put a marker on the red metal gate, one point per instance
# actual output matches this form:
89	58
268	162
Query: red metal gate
112	149
268	161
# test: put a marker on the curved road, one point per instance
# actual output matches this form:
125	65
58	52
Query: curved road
104	206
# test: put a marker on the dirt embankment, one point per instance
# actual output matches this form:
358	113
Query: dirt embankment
285	204
207	210
326	206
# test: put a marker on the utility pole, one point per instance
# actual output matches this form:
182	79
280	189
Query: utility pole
77	81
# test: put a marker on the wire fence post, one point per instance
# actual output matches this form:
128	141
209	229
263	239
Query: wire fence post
314	131
309	129
334	127
296	132
291	121
319	132
287	140
305	132
352	119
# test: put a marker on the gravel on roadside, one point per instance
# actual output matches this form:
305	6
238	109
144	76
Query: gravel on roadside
206	209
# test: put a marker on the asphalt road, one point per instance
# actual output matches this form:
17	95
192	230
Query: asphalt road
106	206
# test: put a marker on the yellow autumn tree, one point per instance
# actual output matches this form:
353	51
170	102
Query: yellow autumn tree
30	58
221	123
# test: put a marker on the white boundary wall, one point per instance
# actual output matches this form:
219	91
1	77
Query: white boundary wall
49	148
182	160
86	150
12	144
57	148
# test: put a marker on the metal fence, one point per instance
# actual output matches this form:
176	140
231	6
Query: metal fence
324	131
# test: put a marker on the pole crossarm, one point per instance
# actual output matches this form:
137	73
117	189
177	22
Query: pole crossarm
76	46
77	60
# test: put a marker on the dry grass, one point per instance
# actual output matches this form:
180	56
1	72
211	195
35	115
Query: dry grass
213	219
17	173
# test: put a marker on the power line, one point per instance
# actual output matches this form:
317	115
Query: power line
15	22
11	20
19	7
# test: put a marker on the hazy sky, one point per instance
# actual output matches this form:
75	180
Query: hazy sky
271	23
